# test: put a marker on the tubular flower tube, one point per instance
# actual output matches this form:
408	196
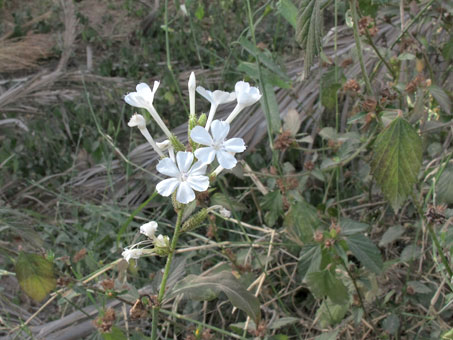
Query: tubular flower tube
184	177
192	84
246	96
217	146
143	98
140	122
149	229
216	98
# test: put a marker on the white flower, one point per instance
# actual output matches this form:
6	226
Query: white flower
144	98
246	96
185	177
132	254
162	241
149	229
216	98
140	122
217	146
225	212
191	85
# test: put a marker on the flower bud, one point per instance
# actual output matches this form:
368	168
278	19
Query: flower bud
162	245
195	221
177	145
202	120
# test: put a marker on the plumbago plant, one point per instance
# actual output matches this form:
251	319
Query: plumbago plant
190	169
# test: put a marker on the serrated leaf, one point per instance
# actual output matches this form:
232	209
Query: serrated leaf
350	227
272	203
391	234
301	221
328	336
206	287
396	161
309	30
444	187
366	252
330	313
35	275
441	97
325	283
419	287
310	260
391	324
411	252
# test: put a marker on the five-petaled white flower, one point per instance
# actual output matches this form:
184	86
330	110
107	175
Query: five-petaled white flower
246	96
185	177
132	253
216	98
217	146
149	229
144	98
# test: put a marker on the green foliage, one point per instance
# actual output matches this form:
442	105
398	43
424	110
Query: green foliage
396	161
325	283
331	81
273	204
35	275
366	252
309	30
301	221
444	186
208	287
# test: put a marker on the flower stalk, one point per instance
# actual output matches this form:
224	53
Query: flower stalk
160	296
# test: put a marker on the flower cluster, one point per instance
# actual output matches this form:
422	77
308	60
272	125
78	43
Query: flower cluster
187	169
161	243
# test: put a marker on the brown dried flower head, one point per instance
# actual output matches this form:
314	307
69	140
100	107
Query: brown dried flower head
352	86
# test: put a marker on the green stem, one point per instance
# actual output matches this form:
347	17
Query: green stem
355	18
440	251
160	296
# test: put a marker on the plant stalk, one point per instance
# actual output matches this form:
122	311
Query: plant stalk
355	18
160	296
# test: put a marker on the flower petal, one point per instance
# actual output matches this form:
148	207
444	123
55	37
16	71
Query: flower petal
144	90
134	99
241	86
219	130
167	186
155	86
198	169
201	136
234	145
198	183
137	120
222	97
205	93
185	194
226	160
205	155
184	160
168	167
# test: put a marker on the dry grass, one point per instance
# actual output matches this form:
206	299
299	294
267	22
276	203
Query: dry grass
25	53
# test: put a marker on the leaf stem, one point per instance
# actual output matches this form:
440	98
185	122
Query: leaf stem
353	4
160	296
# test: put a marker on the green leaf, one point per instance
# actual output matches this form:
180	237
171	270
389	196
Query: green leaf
274	111
309	30
391	324
282	322
251	69
441	97
366	252
391	234
115	334
329	336
351	227
273	205
324	283
444	187
330	313
396	161
331	82
206	287
199	13
288	10
35	275
310	260
411	252
301	221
